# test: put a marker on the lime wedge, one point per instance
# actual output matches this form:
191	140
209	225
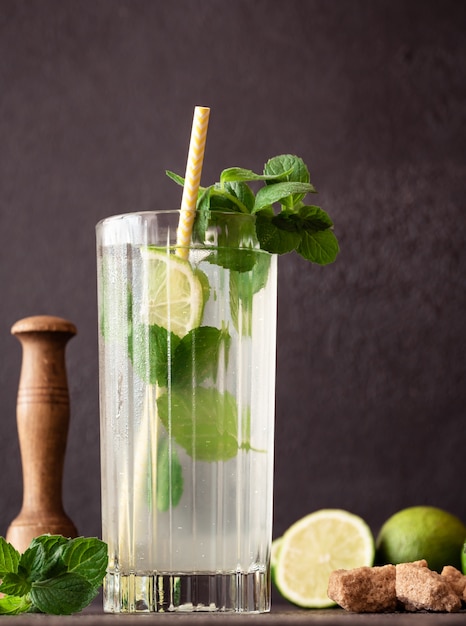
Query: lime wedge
316	545
173	293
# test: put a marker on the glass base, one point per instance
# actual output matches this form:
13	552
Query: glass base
233	592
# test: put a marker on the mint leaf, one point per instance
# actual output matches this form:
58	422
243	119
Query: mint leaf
243	287
50	552
169	476
33	562
63	595
150	348
201	218
281	192
241	298
9	558
50	543
319	247
313	218
179	180
88	557
220	199
274	237
237	259
239	174
197	356
227	230
11	605
15	584
202	421
232	239
288	167
243	193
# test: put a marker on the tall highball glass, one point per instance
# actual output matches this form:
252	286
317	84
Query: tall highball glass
187	392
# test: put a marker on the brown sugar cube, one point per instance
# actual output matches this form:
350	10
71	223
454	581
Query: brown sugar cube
455	579
364	589
419	588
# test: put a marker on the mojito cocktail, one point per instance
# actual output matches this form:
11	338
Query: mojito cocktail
187	386
187	379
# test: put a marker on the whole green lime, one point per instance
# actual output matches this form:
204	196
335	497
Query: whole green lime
422	532
463	558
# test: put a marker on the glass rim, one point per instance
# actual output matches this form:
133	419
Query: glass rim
140	214
142	228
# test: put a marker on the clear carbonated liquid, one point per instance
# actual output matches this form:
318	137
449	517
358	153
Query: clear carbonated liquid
206	545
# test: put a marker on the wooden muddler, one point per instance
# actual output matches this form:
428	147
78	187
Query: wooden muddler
43	411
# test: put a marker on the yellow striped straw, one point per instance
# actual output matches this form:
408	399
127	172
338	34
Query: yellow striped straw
192	180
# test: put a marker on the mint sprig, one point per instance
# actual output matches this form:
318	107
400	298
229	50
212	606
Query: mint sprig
284	222
54	575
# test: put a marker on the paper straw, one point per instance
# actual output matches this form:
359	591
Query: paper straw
192	180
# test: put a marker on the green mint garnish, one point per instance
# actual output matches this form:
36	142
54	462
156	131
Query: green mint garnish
198	355
161	357
54	575
150	349
243	287
284	222
169	476
210	439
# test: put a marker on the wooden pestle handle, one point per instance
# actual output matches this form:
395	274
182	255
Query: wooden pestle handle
43	412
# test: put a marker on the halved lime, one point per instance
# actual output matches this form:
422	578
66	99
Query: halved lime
276	546
315	546
173	293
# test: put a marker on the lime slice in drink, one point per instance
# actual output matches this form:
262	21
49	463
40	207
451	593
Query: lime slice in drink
173	293
316	545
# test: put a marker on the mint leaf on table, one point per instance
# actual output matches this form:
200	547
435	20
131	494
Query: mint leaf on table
54	574
62	595
14	584
9	558
42	559
86	557
12	605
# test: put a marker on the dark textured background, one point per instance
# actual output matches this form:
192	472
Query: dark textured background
96	101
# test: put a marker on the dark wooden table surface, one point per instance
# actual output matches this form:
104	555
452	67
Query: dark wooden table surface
280	614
